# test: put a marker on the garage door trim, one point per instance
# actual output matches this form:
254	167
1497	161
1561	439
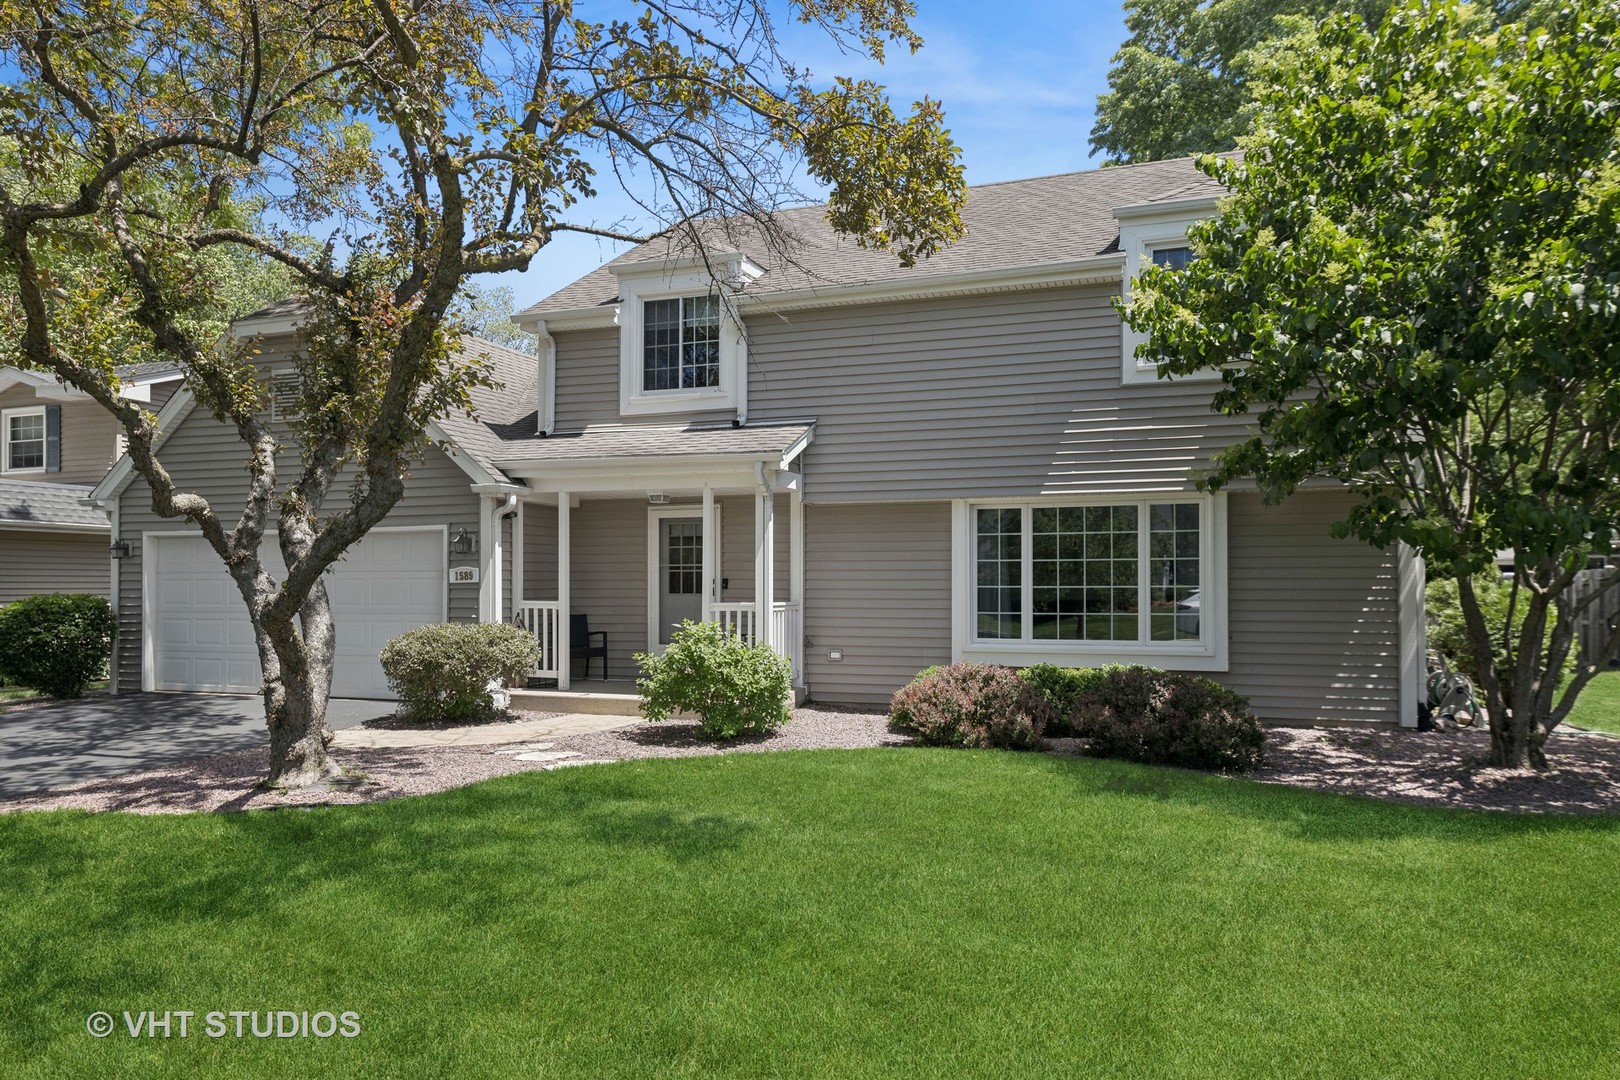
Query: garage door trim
149	584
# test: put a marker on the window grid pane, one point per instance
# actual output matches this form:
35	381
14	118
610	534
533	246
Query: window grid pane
1084	571
999	558
680	347
1173	572
25	441
1176	258
684	557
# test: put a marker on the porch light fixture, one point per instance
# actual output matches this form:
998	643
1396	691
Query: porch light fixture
463	542
658	498
122	549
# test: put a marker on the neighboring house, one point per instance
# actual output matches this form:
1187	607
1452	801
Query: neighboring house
898	467
55	444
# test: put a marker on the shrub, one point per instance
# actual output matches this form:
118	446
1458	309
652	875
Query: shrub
57	644
971	705
1448	632
444	672
1063	689
734	688
1170	718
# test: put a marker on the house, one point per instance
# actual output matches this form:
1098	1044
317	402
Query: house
55	444
871	468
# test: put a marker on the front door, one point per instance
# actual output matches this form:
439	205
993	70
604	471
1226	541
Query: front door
680	573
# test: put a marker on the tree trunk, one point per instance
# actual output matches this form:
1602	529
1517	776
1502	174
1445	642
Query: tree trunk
297	684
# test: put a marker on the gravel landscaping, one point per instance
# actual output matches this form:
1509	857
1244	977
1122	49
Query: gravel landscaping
1433	769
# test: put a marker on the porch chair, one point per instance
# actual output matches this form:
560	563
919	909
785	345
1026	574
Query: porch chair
579	643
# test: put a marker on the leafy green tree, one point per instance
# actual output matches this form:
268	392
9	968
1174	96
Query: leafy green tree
429	144
488	314
1179	84
1414	288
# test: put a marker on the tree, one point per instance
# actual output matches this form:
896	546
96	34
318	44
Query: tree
1414	288
430	143
1179	84
488	314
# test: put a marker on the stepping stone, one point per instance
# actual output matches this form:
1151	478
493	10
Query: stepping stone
545	755
521	748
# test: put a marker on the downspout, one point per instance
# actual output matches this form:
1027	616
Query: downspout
494	572
546	407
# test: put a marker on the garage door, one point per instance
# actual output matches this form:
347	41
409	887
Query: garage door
392	581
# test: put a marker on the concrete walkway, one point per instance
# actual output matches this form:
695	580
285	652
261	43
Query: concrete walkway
356	738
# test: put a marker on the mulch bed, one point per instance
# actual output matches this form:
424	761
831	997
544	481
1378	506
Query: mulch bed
1430	769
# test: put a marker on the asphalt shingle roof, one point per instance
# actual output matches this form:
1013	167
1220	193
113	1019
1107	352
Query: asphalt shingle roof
46	504
1016	223
639	441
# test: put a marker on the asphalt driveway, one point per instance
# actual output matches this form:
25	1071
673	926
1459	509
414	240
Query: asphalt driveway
47	746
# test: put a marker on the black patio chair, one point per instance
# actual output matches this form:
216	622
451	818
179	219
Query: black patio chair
579	643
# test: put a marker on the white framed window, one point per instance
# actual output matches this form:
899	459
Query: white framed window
1086	581
1154	235
681	343
24	435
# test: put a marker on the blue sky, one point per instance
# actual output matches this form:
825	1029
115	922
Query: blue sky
1019	79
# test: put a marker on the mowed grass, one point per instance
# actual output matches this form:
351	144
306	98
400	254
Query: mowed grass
893	913
1598	707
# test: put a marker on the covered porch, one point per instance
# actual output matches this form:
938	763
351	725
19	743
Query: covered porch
620	534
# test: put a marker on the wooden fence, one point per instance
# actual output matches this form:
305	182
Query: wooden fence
1592	626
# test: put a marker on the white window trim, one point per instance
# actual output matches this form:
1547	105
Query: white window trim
640	283
5	440
1209	653
1139	239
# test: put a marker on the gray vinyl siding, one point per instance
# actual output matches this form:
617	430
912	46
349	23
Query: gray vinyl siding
1312	620
878	588
33	561
89	439
206	457
1000	395
539	552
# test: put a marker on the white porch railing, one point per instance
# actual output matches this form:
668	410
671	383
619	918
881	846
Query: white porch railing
543	619
787	627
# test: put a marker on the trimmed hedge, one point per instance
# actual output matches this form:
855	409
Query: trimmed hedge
735	688
1063	688
442	673
971	705
56	643
1169	718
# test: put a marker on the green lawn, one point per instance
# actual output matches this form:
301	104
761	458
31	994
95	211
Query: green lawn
11	695
1598	707
911	913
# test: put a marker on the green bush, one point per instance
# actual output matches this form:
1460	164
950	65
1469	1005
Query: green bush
1170	718
442	673
971	705
57	644
1063	688
1448	632
734	688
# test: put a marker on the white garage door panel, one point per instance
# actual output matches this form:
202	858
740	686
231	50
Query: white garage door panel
201	638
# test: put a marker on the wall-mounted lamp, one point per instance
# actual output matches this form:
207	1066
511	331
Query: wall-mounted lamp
463	542
122	549
658	498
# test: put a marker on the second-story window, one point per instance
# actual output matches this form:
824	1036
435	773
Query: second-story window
680	344
1175	257
25	440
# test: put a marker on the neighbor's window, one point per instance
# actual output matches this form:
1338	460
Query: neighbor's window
1176	258
24	431
680	343
1115	572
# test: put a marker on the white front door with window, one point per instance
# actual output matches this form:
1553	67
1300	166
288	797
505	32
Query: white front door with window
675	569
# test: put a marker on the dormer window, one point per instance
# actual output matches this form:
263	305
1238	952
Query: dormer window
1174	257
1156	234
681	344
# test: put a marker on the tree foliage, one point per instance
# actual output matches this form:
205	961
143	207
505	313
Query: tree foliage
426	145
1414	288
488	313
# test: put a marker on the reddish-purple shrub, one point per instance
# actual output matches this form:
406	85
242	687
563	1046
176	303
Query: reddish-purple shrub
1170	718
971	705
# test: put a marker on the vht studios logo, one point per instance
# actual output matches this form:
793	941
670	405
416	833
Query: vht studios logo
233	1023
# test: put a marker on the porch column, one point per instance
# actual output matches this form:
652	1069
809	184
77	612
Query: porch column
710	560
795	649
565	663
765	568
489	558
518	594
